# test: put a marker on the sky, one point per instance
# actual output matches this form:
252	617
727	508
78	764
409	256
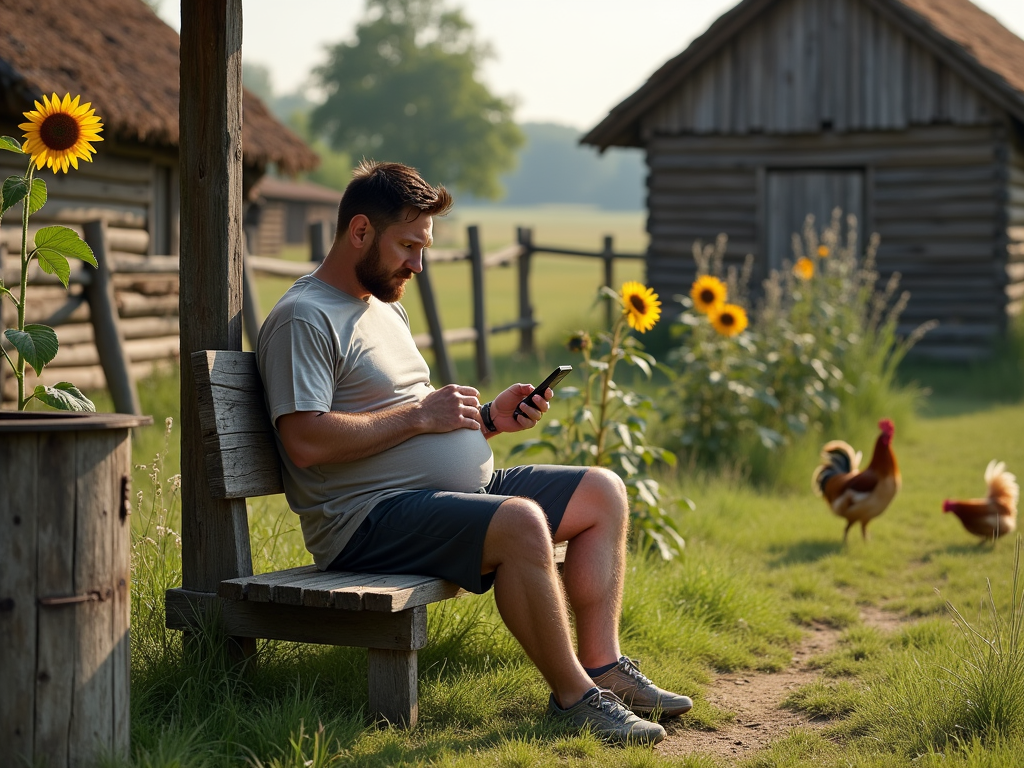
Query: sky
561	61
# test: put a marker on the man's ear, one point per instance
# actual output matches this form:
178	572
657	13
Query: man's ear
360	231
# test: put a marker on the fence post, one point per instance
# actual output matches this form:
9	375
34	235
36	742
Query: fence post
318	241
107	333
442	363
476	257
524	236
250	299
608	256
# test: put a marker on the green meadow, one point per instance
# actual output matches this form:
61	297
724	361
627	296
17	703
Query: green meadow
763	564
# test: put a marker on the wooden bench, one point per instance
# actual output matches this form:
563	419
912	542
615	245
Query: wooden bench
385	614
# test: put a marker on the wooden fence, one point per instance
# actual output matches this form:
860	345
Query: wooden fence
114	323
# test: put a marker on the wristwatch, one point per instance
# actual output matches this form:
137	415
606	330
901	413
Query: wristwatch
485	417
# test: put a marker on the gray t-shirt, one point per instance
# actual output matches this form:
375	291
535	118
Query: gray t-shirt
321	350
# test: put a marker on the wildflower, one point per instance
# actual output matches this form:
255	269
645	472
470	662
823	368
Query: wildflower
804	268
579	342
707	293
728	319
58	132
642	306
823	251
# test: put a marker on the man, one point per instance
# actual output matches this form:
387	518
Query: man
389	475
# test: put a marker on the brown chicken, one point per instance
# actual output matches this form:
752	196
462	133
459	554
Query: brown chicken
995	516
858	497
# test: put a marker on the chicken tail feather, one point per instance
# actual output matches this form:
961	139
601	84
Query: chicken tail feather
837	458
1002	485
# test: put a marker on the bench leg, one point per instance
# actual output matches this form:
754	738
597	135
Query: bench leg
393	689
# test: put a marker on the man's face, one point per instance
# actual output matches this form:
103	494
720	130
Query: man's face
394	256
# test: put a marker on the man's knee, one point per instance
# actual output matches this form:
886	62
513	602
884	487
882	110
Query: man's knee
609	491
519	529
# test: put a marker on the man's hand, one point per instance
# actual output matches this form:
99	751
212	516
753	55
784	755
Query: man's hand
449	408
504	406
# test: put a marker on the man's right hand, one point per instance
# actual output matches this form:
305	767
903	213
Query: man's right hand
451	407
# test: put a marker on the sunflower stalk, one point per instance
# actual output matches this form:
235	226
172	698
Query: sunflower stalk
19	371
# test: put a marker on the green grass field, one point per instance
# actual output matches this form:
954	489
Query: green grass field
761	566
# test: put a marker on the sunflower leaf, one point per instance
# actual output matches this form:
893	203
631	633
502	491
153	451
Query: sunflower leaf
65	242
37	344
14	189
11	145
53	263
64	396
37	197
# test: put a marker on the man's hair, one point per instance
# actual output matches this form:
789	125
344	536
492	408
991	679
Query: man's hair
384	191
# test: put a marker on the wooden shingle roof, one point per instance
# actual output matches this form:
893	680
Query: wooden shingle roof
119	55
971	41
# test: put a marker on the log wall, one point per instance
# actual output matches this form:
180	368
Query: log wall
1014	222
934	194
809	65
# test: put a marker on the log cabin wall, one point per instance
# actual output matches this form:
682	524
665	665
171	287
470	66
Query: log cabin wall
137	195
825	102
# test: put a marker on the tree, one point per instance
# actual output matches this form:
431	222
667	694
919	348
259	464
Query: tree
406	90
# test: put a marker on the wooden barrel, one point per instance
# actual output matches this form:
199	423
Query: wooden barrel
65	485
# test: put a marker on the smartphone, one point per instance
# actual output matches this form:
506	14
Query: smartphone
553	378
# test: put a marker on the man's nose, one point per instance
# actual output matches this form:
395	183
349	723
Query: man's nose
415	260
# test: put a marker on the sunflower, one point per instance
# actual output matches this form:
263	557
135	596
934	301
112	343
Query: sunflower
642	308
707	293
823	251
59	132
804	268
728	319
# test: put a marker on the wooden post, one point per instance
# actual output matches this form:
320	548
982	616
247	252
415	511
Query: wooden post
250	298
476	257
215	532
319	241
106	325
608	256
524	236
442	362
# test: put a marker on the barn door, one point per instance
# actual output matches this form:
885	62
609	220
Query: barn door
794	194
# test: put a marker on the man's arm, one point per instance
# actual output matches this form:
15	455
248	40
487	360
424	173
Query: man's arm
504	405
311	437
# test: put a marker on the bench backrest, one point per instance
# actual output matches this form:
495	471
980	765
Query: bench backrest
241	454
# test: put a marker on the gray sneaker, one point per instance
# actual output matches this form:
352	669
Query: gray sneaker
638	693
604	713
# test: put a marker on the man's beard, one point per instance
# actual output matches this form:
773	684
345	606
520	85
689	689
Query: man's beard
375	277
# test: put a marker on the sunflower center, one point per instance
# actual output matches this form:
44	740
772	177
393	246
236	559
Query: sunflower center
638	304
59	131
707	296
726	318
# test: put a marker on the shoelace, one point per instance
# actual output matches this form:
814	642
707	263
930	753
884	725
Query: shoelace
607	702
632	668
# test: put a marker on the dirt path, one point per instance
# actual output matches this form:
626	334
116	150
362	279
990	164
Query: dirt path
755	698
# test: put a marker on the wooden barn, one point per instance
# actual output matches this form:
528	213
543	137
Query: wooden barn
907	113
280	211
124	59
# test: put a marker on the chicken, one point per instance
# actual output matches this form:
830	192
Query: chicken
992	517
858	497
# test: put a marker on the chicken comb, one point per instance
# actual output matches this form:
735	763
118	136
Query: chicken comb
887	427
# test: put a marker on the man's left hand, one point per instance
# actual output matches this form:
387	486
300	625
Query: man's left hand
505	404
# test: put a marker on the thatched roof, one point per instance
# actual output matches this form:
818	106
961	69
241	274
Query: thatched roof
123	58
989	55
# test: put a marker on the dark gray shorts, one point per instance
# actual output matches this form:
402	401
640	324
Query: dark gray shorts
440	533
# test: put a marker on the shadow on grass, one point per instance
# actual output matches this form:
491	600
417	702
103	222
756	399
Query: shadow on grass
807	551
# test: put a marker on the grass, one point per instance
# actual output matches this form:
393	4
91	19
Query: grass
761	565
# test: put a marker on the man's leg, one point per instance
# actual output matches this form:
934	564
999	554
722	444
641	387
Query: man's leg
595	524
529	596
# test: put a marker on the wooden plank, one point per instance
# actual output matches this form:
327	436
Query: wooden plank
393	686
215	532
484	368
120	463
238	443
443	367
189	610
93	696
55	666
19	454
